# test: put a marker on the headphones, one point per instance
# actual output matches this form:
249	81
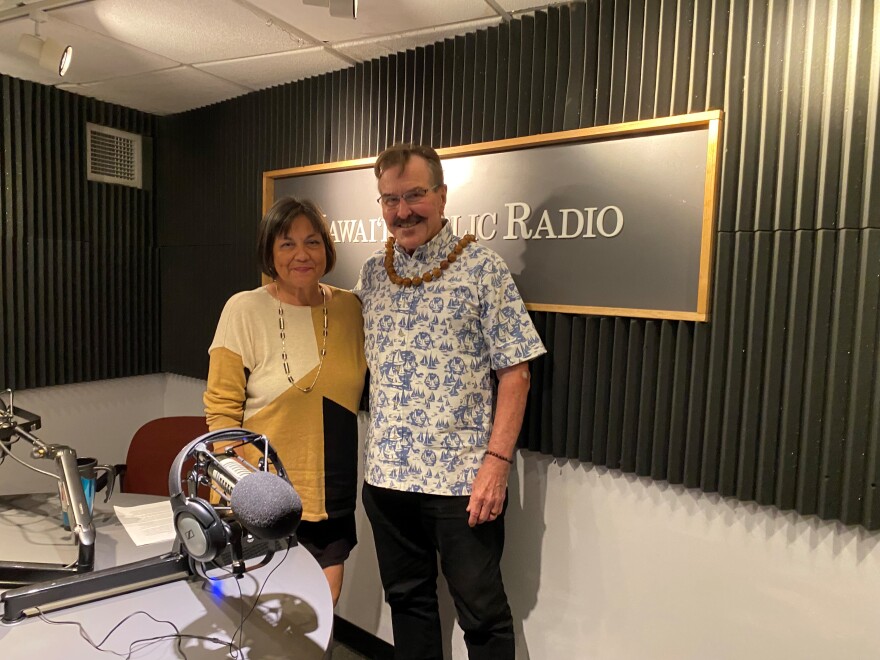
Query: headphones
198	525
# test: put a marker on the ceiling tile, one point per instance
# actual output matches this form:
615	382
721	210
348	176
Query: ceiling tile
94	57
375	17
268	70
188	32
130	51
162	92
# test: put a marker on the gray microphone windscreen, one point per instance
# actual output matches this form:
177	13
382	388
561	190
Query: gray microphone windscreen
266	505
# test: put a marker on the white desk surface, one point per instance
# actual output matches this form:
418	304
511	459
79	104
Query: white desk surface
293	618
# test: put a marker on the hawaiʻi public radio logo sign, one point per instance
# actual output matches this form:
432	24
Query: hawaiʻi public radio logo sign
613	220
518	223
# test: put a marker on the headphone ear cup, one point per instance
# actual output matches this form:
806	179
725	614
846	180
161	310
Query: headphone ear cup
199	528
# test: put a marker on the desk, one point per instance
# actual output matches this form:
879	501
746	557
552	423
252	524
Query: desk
293	618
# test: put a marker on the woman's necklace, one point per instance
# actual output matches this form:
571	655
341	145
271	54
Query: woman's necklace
428	275
308	389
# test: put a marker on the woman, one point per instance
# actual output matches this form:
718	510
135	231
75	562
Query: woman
287	361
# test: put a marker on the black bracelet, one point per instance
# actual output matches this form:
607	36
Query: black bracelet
489	452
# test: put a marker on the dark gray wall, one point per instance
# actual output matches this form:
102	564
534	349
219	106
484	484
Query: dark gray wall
774	400
79	264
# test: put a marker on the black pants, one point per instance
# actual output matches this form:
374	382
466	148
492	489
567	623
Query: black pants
410	529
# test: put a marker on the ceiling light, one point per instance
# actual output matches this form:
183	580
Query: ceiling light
344	8
49	53
338	8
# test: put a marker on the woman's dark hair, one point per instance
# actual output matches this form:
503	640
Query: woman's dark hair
277	221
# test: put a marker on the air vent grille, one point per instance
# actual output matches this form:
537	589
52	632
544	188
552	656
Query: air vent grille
115	156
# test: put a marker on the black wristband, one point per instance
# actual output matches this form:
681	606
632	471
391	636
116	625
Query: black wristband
489	452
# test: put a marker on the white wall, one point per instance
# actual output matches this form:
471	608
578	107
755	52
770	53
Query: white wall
602	565
598	564
96	419
607	566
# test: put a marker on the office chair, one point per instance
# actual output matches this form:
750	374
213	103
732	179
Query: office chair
152	451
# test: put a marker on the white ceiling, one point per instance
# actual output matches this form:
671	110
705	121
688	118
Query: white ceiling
167	56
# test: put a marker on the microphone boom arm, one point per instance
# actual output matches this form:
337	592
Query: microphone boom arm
68	474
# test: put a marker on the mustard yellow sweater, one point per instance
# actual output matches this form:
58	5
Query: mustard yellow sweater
315	433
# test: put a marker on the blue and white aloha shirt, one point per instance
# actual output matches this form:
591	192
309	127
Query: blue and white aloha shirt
431	350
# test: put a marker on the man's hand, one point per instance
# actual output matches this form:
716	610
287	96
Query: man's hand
489	491
490	484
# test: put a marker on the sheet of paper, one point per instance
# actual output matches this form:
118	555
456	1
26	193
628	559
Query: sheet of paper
148	523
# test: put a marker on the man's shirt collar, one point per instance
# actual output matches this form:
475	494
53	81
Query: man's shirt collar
435	250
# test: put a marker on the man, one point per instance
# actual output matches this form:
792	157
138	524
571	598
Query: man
441	314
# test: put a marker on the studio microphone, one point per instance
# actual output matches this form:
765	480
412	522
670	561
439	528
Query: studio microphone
266	505
257	504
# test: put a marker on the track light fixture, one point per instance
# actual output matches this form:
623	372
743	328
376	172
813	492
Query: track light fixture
49	53
338	8
344	8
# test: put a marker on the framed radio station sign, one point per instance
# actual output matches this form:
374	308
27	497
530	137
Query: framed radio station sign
614	220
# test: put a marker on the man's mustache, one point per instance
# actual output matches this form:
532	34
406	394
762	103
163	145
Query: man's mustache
411	218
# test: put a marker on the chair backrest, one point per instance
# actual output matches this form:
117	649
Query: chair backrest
154	448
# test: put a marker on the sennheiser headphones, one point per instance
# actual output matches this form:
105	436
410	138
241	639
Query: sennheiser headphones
199	527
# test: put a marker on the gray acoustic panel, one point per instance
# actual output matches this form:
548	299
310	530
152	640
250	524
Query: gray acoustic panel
80	273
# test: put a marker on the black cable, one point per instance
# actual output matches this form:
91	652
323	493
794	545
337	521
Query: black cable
234	649
240	630
241	618
7	445
147	614
233	652
148	641
144	642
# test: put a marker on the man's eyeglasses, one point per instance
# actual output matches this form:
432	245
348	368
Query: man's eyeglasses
411	197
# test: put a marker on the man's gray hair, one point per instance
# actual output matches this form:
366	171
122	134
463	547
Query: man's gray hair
398	155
